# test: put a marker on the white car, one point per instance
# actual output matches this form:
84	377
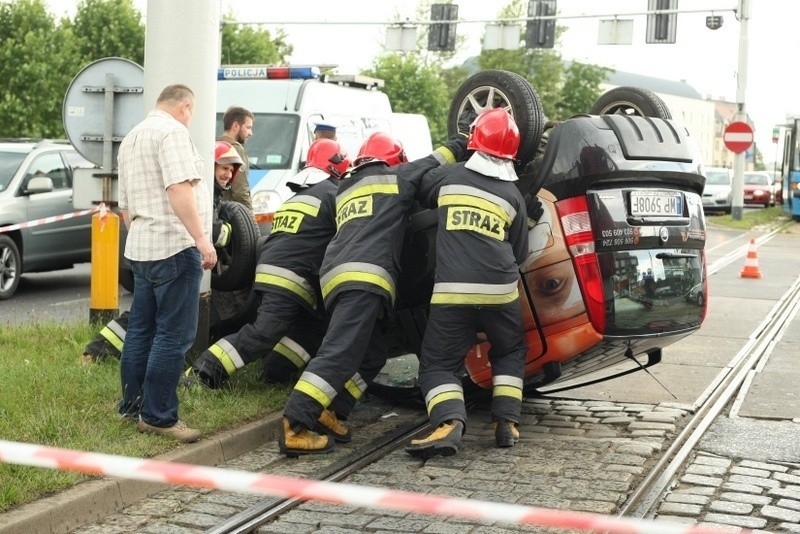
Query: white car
718	191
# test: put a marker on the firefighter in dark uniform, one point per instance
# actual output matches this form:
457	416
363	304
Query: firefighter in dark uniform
358	282
481	241
287	275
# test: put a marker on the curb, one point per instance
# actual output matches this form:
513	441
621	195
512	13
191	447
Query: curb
93	500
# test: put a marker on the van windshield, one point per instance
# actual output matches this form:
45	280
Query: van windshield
272	144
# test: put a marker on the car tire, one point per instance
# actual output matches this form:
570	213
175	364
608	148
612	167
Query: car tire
500	88
10	267
635	101
236	262
126	278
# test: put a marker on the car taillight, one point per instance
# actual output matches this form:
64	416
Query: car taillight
577	227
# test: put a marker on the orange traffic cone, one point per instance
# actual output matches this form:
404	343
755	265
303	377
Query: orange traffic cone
751	269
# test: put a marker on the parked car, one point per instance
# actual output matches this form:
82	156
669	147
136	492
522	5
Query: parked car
758	189
36	182
718	191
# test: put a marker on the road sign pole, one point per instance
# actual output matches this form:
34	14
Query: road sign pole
741	115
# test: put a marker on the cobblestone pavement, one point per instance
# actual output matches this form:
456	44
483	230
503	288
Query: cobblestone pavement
573	455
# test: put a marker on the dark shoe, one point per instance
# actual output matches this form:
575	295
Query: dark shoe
329	424
194	381
506	433
179	431
293	444
444	441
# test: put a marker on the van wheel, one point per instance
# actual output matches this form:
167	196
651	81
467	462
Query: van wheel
636	101
236	262
10	267
502	89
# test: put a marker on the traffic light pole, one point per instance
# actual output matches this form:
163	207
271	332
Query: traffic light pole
741	113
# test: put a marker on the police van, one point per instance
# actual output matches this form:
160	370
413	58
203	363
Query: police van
288	102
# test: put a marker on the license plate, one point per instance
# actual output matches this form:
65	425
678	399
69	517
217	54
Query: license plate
656	203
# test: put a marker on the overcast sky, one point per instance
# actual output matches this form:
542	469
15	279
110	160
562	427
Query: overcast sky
323	31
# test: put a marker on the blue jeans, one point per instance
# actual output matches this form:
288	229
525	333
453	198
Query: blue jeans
161	328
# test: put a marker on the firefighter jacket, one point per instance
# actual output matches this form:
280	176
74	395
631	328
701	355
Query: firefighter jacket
372	206
482	236
290	258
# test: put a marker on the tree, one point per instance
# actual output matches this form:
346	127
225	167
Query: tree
580	90
414	87
243	45
564	90
108	28
37	63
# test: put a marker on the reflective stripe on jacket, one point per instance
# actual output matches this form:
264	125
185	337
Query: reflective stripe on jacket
482	236
291	256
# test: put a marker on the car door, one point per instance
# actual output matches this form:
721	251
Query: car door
66	240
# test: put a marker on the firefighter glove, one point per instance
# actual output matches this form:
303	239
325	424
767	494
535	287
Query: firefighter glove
465	121
224	237
534	208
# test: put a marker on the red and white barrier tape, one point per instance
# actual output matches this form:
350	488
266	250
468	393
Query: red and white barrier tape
47	220
346	494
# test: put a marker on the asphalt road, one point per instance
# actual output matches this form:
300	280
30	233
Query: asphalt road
54	296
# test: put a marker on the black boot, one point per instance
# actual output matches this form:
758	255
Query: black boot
506	433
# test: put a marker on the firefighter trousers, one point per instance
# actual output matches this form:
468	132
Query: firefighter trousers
353	351
276	317
450	333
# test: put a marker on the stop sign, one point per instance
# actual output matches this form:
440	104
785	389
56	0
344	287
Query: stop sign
738	136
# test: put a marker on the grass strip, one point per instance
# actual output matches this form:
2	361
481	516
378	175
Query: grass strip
50	395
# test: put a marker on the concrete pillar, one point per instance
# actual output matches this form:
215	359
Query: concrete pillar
182	46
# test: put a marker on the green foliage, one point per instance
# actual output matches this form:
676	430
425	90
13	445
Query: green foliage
37	63
108	28
39	57
52	396
580	90
243	45
564	90
414	87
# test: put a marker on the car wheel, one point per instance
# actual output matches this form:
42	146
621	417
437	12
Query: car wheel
635	101
126	278
502	89
10	267
236	261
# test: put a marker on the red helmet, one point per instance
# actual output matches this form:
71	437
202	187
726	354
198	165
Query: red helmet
225	154
380	146
326	155
495	132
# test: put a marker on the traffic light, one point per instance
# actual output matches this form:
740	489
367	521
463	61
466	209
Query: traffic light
661	27
442	37
541	33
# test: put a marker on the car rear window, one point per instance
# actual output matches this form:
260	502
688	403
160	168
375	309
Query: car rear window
756	179
652	291
718	178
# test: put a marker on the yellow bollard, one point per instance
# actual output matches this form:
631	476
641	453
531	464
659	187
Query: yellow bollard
105	267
